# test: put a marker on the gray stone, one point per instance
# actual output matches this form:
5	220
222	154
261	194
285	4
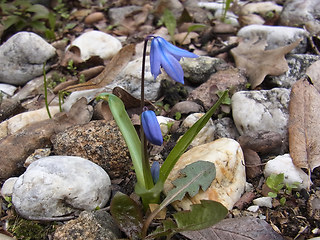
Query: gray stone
22	57
276	36
198	70
302	13
7	187
59	185
7	90
89	226
265	110
298	64
130	79
117	15
225	128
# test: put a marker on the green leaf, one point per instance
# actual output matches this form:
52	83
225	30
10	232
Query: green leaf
227	100
40	12
170	22
39	26
196	27
275	182
168	228
283	200
127	214
130	135
195	175
200	216
186	139
10	21
272	194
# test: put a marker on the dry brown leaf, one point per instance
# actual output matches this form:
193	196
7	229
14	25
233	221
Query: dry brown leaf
243	228
258	62
113	68
313	73
304	125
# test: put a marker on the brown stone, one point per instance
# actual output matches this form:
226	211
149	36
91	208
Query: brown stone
253	163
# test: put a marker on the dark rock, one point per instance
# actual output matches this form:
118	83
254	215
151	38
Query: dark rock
185	107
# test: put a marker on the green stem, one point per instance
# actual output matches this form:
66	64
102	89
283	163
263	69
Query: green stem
46	89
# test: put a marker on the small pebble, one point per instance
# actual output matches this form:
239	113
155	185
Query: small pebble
253	208
263	202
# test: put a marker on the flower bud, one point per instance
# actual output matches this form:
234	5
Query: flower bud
151	127
155	171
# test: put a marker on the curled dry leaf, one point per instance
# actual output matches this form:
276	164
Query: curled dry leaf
258	62
304	125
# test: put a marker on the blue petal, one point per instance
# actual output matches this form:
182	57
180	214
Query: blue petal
178	53
155	58
151	127
155	172
172	67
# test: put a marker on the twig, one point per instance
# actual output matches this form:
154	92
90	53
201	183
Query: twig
222	50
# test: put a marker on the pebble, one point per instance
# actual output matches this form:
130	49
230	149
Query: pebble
263	202
7	89
224	128
164	123
283	164
198	70
22	57
21	120
185	108
268	110
7	187
97	43
59	185
253	208
118	14
230	181
130	79
94	18
298	64
206	133
89	225
302	13
99	141
275	36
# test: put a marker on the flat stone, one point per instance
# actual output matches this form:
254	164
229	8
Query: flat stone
89	226
292	174
22	57
230	181
298	64
97	43
206	95
59	185
118	14
302	13
263	202
185	108
275	36
268	111
198	70
7	89
99	141
130	79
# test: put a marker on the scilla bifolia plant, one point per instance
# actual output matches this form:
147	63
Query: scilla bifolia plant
150	185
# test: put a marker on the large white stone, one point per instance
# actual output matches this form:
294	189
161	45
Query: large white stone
22	57
96	43
21	120
264	110
292	174
230	180
59	185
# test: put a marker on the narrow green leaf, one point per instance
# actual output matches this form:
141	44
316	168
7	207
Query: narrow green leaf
10	21
186	139
127	214
170	22
129	133
200	216
196	27
40	11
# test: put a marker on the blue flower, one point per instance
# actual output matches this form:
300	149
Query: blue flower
164	54
151	127
155	172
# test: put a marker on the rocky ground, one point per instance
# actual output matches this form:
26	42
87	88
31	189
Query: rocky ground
266	54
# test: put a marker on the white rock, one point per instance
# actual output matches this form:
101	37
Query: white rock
230	180
96	43
163	122
292	174
276	36
264	110
205	135
130	79
263	202
21	120
253	208
59	185
7	89
22	57
7	187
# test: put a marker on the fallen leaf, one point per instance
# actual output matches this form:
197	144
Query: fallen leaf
258	62
313	73
304	125
113	68
243	228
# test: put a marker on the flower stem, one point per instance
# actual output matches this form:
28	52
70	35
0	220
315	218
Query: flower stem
145	160
45	89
